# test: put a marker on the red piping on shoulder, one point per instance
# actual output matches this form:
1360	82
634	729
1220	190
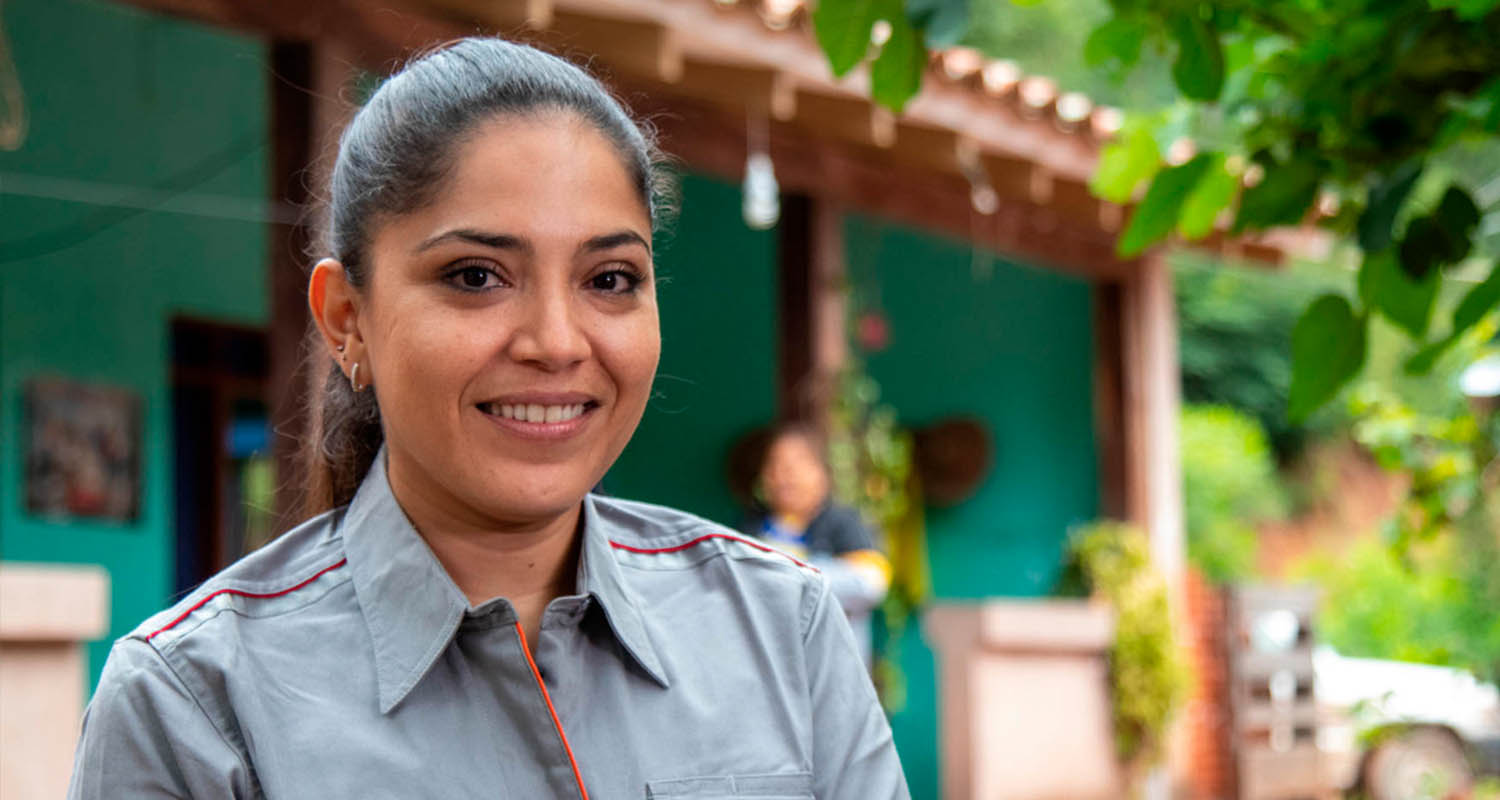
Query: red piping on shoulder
705	537
258	595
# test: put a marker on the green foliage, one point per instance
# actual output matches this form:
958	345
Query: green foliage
1425	591
1328	348
870	457
1435	606
1230	485
1358	99
1158	212
844	29
1235	340
1147	674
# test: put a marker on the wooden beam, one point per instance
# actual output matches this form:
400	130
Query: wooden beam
640	47
1018	178
936	148
794	308
1110	429
868	180
373	37
1152	389
1074	199
291	137
502	16
744	88
845	116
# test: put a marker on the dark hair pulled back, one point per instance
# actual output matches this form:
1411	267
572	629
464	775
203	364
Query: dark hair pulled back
393	159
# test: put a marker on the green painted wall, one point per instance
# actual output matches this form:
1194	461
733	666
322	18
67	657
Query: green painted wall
1014	346
120	101
717	378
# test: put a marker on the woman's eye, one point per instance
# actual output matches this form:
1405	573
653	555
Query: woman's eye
474	278
616	281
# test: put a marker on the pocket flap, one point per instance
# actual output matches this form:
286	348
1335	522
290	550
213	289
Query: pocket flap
767	785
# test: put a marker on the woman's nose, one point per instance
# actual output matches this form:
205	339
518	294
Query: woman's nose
549	333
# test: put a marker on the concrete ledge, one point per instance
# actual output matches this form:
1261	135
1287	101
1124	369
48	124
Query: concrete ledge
52	603
1024	700
1024	626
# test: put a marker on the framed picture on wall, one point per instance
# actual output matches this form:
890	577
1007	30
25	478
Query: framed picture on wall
83	450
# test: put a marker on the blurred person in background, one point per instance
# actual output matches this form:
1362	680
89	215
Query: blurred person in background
797	514
462	618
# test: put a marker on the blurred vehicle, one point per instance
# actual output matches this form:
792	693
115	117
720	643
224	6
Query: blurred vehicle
1401	731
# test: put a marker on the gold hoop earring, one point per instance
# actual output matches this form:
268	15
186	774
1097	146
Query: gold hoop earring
354	377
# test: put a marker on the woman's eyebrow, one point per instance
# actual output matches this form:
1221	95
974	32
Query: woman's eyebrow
499	241
609	241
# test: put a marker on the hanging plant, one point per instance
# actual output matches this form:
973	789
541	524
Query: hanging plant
870	456
1148	678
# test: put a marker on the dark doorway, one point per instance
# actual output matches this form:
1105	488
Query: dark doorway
225	472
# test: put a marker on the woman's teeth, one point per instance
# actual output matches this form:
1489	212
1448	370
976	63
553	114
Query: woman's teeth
532	412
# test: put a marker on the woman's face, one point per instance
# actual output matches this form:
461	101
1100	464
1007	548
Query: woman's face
510	326
793	477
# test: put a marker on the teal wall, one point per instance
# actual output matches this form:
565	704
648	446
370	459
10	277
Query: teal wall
121	100
1014	346
717	378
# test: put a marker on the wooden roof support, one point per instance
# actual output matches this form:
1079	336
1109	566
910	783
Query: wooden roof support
941	149
640	47
743	88
1019	178
503	16
848	117
1073	197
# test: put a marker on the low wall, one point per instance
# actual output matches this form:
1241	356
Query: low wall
47	614
1024	700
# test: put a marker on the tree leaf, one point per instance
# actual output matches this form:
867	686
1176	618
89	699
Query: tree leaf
1386	287
1328	349
1115	44
1466	9
842	28
1423	360
1281	198
1384	203
1477	302
942	22
1458	213
896	75
1157	214
1214	192
1199	68
1443	237
1125	163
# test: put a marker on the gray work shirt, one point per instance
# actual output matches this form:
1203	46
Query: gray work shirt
342	661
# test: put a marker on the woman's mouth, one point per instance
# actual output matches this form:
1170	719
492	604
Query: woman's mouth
535	412
549	418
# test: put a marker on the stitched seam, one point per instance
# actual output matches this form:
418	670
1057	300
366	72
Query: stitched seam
703	538
814	600
223	735
241	593
535	673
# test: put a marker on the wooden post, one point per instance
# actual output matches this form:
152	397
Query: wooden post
1152	390
307	115
810	306
1109	398
291	140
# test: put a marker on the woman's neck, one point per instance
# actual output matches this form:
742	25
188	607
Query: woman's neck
528	563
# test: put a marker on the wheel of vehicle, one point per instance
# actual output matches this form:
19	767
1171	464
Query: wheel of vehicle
1419	764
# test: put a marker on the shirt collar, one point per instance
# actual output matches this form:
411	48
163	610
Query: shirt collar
412	607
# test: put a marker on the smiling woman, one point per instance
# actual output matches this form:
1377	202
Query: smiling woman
460	616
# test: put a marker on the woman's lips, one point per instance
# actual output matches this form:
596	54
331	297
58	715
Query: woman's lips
539	420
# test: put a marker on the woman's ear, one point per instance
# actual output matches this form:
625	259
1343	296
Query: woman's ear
334	303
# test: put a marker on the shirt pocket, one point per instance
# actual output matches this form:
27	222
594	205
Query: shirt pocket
774	786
